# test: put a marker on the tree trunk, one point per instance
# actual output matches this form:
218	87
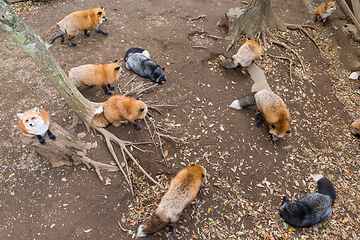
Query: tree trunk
65	150
251	20
35	47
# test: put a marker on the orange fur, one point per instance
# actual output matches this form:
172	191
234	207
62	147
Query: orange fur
98	75
275	112
324	10
355	128
29	117
118	109
182	190
75	22
247	53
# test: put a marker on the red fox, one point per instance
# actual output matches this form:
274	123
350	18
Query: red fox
182	190
246	54
273	108
355	128
75	22
323	11
99	75
35	123
120	109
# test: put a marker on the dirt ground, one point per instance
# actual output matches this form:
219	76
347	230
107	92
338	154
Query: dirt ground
247	172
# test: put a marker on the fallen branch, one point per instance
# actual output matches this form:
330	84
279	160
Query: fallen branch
125	230
196	18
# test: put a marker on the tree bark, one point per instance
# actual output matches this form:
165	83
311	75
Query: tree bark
251	20
35	47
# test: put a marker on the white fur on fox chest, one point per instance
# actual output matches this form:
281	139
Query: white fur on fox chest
38	128
328	13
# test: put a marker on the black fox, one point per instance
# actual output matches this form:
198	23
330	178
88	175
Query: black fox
142	65
311	209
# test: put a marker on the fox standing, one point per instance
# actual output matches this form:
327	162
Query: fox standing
272	107
120	109
246	54
75	22
99	75
35	123
323	11
182	190
313	207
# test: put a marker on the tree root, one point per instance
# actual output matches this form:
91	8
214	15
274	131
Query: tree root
156	132
281	57
272	37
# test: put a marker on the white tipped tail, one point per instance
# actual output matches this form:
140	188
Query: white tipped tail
140	232
146	54
235	104
316	177
99	110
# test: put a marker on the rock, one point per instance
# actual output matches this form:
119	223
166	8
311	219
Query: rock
352	31
354	75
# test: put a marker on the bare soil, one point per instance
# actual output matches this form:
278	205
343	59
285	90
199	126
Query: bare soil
247	172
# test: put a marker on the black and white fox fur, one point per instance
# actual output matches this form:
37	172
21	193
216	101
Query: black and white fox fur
311	209
139	61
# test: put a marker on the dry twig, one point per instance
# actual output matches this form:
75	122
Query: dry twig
281	57
196	18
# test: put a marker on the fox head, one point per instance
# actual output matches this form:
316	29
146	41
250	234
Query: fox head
279	130
158	75
31	118
116	69
101	15
141	109
330	7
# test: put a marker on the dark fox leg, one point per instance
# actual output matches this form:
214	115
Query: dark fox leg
110	87
247	100
101	31
245	71
316	19
70	41
106	91
62	39
86	33
259	117
51	136
136	126
41	139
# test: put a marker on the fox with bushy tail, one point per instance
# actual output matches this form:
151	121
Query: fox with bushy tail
75	22
273	109
311	209
182	190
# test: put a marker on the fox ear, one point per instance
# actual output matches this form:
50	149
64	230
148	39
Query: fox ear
163	69
273	126
36	110
326	5
102	7
115	61
117	68
100	13
142	109
20	115
137	98
287	131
